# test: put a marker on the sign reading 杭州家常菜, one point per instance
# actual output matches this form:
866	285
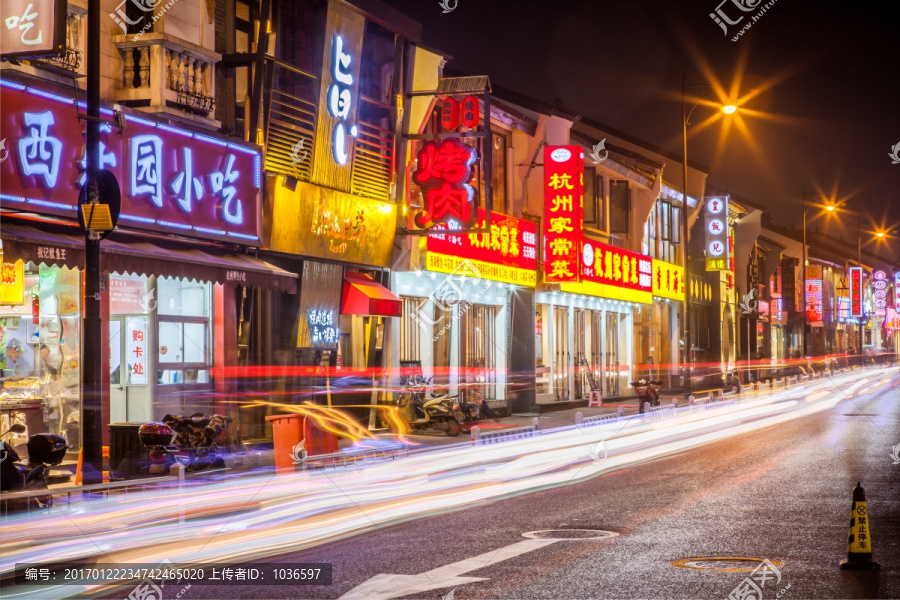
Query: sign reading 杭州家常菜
508	253
563	213
172	180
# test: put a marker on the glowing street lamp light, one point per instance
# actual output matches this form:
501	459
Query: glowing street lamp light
728	109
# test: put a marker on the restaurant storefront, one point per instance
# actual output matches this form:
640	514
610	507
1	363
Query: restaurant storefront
171	274
460	306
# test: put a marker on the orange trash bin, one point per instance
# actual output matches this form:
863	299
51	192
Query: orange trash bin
287	431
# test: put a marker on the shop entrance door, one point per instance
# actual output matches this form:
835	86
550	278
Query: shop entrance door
129	377
581	386
596	358
611	381
561	353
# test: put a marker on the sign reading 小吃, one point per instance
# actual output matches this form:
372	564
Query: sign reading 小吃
33	28
717	239
563	213
322	330
856	305
508	253
172	180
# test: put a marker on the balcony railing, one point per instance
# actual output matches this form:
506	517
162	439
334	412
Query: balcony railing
165	73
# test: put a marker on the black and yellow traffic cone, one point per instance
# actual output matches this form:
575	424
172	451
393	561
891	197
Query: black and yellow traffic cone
859	544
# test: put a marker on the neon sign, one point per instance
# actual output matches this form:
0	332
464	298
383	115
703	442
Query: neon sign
611	272
563	210
717	240
173	180
444	171
897	289
322	330
668	280
880	284
856	307
340	100
814	295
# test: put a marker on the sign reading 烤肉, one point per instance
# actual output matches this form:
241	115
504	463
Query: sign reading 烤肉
172	180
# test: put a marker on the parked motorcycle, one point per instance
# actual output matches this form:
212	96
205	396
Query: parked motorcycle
190	441
647	391
440	411
44	451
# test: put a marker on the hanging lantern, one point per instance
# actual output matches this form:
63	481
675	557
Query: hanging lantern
470	112
450	114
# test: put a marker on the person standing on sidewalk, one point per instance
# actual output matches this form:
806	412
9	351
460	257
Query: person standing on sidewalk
484	410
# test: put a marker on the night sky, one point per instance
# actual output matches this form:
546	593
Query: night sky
817	83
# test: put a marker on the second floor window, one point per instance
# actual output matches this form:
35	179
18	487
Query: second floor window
619	206
498	177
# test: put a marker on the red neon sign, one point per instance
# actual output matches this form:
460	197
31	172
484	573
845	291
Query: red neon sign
563	213
856	292
620	268
444	171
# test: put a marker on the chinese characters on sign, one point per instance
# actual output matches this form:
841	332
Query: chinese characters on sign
880	284
322	330
507	254
172	180
856	306
717	240
814	295
136	347
340	101
668	280
897	289
563	213
444	172
12	283
611	272
33	28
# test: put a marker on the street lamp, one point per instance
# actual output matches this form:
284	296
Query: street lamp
830	208
728	109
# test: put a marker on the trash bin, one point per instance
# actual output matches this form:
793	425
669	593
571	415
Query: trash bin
289	429
128	459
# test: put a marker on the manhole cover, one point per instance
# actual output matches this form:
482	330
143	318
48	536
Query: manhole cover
570	534
723	563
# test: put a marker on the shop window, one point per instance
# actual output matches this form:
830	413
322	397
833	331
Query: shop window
184	341
619	206
410	338
676	225
498	177
665	221
593	200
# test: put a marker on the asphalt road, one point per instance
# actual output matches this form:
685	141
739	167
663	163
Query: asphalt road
782	493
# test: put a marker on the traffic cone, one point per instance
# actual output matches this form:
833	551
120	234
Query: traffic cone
859	544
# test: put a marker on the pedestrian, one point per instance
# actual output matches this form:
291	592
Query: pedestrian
484	410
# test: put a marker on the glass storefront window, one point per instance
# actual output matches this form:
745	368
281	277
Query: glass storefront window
184	351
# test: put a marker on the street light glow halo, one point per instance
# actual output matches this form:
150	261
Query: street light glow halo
728	109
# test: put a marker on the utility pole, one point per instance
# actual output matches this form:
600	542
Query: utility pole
91	331
686	235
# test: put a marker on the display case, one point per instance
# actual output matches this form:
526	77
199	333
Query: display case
21	401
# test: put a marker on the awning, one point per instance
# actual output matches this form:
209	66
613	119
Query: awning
362	295
143	258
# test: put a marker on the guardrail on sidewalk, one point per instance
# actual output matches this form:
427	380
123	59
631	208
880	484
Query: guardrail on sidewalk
350	459
503	435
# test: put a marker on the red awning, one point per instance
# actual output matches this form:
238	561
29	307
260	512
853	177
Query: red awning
363	295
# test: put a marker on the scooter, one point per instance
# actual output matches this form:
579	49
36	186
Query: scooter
44	451
440	411
647	392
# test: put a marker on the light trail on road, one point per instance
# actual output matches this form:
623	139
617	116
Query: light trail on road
276	514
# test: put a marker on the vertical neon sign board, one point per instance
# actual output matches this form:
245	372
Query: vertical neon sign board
717	240
340	101
563	213
897	289
814	295
880	284
856	309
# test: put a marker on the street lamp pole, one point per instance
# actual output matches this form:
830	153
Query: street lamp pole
803	266
685	242
862	305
